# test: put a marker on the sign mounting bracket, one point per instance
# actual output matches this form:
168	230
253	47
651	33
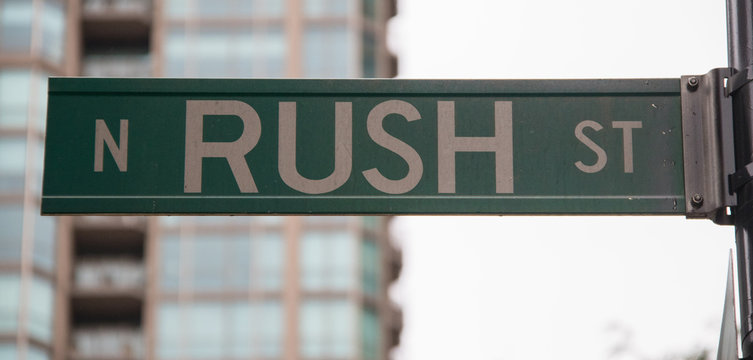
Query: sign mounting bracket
708	147
738	80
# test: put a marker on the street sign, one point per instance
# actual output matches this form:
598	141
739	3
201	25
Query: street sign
169	146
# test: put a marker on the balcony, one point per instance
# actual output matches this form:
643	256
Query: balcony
109	274
121	8
117	65
108	290
103	236
125	23
107	342
127	222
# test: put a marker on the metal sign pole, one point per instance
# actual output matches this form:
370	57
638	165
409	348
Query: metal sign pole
740	48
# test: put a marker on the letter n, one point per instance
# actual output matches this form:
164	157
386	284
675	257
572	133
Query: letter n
119	153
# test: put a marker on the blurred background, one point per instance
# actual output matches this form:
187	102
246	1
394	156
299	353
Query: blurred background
185	287
329	287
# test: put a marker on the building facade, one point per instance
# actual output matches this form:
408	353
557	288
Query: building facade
194	287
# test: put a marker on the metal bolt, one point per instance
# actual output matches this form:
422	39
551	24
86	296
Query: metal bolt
693	83
697	200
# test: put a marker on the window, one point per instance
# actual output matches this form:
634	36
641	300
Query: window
172	221
221	262
369	54
257	51
261	52
53	30
236	259
15	26
327	329
268	254
220	220
169	329
370	334
40	122
176	50
267	329
268	220
256	330
15	87
220	330
371	222
338	220
177	9
15	92
205	330
326	8
369	9
40	309
169	252
327	261
44	241
212	51
35	353
12	167
239	344
11	220
262	8
214	8
370	268
204	221
10	288
39	306
38	167
327	52
208	274
8	351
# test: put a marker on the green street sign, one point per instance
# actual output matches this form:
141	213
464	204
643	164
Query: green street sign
168	146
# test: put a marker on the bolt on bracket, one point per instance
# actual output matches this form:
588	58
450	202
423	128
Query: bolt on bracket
708	147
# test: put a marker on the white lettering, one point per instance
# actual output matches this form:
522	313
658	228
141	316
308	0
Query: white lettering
389	142
234	152
103	136
627	141
343	150
601	155
500	144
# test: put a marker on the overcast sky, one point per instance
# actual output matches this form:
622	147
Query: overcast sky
566	287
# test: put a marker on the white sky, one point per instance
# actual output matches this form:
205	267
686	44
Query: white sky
565	287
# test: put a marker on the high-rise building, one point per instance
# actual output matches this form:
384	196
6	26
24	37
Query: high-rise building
245	287
32	38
